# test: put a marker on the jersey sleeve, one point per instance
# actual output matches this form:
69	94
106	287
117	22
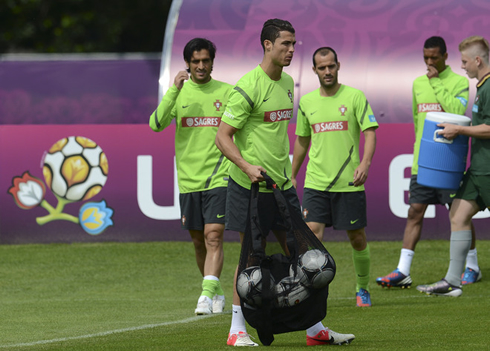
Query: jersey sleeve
364	113
165	112
239	107
414	108
302	125
452	101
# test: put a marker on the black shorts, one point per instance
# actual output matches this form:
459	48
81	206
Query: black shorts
343	211
202	207
237	206
476	188
420	194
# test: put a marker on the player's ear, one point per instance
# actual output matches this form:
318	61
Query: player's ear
187	67
338	65
313	68
268	45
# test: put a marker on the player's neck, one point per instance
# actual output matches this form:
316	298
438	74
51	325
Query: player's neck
483	72
329	91
273	71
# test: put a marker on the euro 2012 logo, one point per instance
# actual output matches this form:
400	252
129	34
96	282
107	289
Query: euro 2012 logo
75	169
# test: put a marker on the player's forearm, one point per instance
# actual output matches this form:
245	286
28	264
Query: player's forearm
369	146
452	102
162	116
224	142
299	153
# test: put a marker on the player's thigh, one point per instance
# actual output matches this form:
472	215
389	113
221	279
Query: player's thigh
420	194
317	206
349	210
191	211
214	205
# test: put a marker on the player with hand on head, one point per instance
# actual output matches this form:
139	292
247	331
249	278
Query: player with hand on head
440	89
197	106
254	136
332	118
474	193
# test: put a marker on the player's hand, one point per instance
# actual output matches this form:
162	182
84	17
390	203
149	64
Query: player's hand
432	72
180	78
295	182
360	175
253	173
449	132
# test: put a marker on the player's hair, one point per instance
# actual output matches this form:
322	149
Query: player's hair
272	28
197	44
324	51
436	42
480	45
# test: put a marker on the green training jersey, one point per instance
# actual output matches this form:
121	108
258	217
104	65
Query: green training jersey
480	148
261	108
334	124
197	109
447	93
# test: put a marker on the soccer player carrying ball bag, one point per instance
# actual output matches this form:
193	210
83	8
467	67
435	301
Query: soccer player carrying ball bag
282	291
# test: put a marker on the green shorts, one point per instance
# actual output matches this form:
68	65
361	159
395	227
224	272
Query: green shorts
343	211
202	207
476	188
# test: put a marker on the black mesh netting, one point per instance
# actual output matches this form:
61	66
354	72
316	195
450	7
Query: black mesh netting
282	280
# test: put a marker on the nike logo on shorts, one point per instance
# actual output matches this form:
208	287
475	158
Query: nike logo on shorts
352	222
452	195
220	216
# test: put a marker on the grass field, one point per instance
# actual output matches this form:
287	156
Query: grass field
141	296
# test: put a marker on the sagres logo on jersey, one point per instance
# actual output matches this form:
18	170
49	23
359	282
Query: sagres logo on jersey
218	104
330	126
342	110
277	116
429	108
201	121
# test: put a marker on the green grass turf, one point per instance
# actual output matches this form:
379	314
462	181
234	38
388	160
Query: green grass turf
141	296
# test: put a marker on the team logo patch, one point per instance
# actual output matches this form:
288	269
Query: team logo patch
475	108
342	110
330	126
201	121
429	108
277	116
477	98
217	104
305	213
372	118
463	100
290	95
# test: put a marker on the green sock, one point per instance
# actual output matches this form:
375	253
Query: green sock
219	290
362	264
209	288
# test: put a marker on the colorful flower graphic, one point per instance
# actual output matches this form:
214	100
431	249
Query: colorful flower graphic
95	217
75	169
28	191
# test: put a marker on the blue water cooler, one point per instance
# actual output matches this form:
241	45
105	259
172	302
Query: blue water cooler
442	162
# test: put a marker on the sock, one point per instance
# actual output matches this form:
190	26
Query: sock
406	257
362	264
472	260
209	286
237	320
458	249
219	291
315	329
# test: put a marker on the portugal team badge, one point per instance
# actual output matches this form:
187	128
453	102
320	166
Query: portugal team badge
217	104
343	110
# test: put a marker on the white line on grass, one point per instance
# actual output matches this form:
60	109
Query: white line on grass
110	332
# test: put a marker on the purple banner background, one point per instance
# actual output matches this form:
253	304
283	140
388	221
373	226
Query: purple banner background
22	149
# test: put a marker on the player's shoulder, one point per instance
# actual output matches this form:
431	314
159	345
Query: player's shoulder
222	84
311	96
347	90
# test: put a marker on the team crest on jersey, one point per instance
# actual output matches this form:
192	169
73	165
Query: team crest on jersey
305	213
290	95
342	110
477	98
217	104
183	220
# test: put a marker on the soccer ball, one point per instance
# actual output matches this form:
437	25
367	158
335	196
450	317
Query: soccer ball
249	285
290	292
314	265
75	168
